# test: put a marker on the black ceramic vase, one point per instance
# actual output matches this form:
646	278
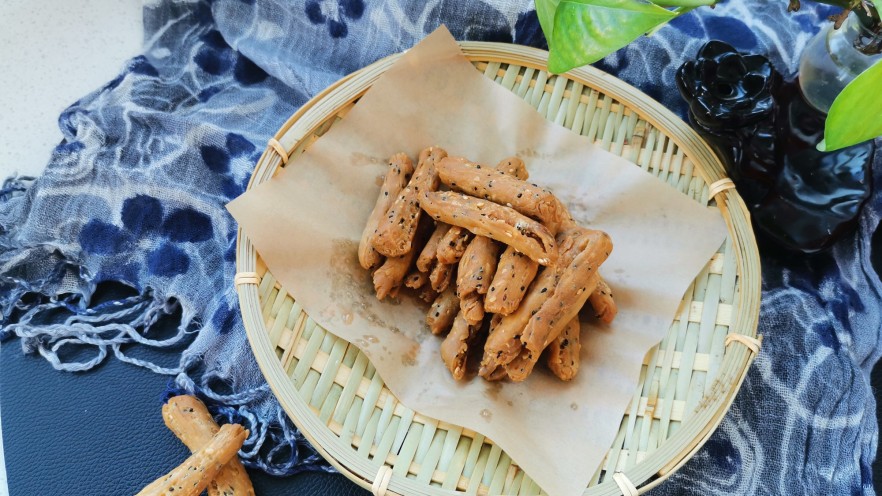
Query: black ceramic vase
801	199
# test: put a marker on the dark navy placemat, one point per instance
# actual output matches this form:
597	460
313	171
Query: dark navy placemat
101	433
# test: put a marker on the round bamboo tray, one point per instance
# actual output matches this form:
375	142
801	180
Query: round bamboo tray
333	394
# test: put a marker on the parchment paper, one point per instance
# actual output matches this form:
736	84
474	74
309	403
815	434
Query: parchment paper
306	223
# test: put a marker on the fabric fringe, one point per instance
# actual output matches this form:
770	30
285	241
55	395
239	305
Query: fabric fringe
107	327
46	300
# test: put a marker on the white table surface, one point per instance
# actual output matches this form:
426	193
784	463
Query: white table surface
52	53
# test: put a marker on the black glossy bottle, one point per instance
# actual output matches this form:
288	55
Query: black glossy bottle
801	199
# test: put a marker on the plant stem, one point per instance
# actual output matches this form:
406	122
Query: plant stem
869	42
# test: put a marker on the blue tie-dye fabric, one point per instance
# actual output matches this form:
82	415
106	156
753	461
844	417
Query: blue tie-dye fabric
135	192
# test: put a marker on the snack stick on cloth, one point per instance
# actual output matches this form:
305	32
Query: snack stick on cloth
389	278
477	266
416	279
513	166
441	275
400	170
513	276
476	269
485	218
190	421
504	341
497	186
443	311
601	300
455	347
429	253
575	284
564	365
428	294
577	281
563	354
395	233
194	475
472	308
453	245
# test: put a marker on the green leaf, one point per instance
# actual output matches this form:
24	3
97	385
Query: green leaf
545	10
856	114
585	31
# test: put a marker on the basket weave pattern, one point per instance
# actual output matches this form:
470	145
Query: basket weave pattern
687	382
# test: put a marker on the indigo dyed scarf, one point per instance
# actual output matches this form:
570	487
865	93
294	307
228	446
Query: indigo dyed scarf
134	197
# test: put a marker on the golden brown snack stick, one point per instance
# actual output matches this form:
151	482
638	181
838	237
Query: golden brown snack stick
499	372
575	285
504	342
486	218
430	251
521	366
602	302
497	375
476	269
514	167
416	279
441	275
443	311
400	170
390	276
477	266
494	185
513	276
453	245
428	294
472	308
478	263
193	476
455	347
563	354
190	421
395	233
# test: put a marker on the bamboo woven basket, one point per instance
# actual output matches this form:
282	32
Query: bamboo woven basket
333	394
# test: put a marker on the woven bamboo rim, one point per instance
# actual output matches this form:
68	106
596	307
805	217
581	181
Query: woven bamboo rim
688	382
